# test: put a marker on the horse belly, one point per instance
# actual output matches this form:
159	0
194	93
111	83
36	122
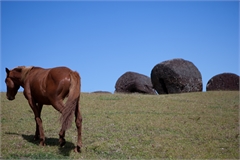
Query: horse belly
42	100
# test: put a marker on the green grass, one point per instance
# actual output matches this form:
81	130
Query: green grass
129	126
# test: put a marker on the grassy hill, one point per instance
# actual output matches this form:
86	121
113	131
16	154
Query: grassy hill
201	125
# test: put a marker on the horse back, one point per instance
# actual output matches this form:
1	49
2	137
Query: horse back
47	85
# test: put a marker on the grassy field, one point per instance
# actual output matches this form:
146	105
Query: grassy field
130	126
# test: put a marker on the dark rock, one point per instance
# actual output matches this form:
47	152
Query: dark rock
176	76
106	92
223	81
131	82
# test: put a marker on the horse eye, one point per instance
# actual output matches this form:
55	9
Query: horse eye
9	83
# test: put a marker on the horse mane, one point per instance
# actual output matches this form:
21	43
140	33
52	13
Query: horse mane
24	71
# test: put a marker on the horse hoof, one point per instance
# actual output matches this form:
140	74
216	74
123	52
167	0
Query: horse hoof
62	143
77	149
36	138
42	144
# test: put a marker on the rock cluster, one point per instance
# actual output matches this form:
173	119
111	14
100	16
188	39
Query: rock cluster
174	76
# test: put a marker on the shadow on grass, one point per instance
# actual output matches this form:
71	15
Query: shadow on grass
64	151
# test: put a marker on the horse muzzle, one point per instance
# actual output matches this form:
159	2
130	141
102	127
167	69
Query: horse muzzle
10	98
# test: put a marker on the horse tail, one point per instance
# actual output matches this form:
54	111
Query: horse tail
72	101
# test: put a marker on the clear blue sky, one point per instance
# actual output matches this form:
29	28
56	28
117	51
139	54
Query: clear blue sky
103	40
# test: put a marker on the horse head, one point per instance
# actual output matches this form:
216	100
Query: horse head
12	81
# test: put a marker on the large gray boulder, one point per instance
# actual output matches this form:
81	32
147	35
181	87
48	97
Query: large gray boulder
223	81
176	76
132	82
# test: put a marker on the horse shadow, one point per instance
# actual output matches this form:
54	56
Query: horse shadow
65	150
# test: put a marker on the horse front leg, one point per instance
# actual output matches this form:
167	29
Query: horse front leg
39	128
37	133
78	121
62	140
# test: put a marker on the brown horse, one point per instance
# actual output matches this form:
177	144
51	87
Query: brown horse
49	87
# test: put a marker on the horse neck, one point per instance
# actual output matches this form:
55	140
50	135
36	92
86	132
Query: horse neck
24	75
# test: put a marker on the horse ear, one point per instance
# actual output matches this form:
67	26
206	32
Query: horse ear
7	70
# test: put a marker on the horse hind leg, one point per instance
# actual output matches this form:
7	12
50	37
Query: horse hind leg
59	106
